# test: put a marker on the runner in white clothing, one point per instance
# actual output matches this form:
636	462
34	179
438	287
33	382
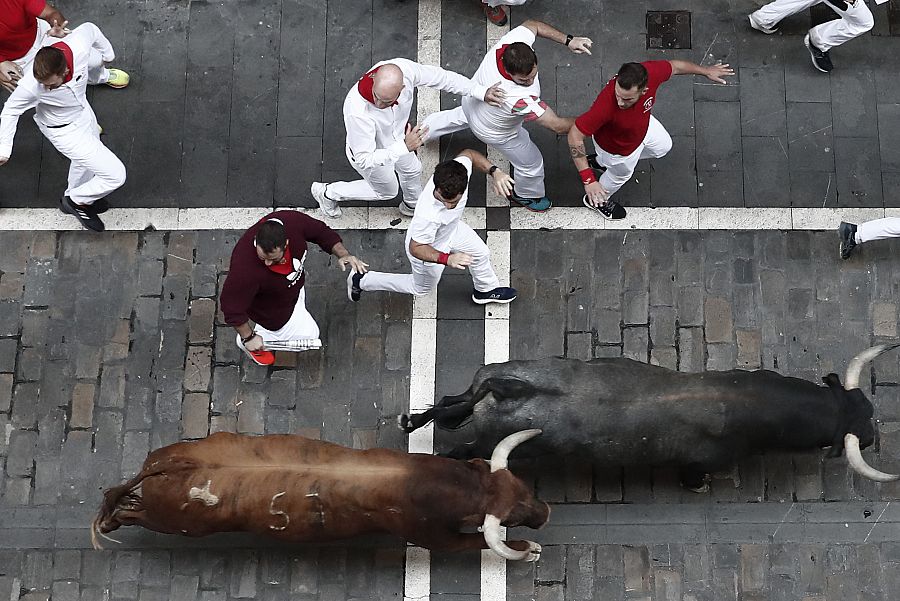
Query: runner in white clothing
852	235
380	140
437	237
513	63
855	20
55	87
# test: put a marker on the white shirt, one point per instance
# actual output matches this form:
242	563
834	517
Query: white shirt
523	103
375	136
433	223
62	105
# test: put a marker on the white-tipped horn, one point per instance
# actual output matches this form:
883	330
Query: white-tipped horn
854	369
501	452
859	465
491	529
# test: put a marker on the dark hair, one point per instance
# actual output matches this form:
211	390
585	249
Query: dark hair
632	75
48	62
271	235
519	59
451	179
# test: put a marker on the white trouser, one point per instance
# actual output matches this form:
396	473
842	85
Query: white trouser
878	229
97	72
425	276
520	151
94	171
856	19
495	3
619	169
380	182
301	325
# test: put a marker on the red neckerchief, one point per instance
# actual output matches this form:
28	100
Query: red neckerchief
70	60
503	72
366	83
287	266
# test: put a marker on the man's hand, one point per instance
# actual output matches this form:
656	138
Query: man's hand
596	194
415	136
355	264
494	95
459	260
718	71
57	30
503	183
3	160
255	344
10	74
581	45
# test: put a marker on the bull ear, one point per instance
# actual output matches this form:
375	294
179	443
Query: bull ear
509	388
833	381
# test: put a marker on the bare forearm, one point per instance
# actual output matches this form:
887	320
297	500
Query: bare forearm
52	15
680	67
339	250
576	149
479	161
424	252
244	330
542	30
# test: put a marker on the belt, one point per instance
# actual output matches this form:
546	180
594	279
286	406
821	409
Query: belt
58	126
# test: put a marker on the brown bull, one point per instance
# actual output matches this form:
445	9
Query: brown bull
298	489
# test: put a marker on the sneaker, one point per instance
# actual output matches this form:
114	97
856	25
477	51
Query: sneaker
406	209
497	295
118	79
260	357
759	26
820	60
538	205
87	217
354	290
847	233
593	164
101	206
496	15
610	210
328	206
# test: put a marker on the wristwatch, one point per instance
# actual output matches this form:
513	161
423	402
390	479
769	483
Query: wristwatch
492	169
569	38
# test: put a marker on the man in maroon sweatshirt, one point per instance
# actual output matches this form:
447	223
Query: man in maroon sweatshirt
265	284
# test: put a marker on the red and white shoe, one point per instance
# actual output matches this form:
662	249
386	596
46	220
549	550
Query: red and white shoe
260	357
496	15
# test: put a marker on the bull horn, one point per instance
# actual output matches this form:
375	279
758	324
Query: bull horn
854	369
491	529
859	465
501	452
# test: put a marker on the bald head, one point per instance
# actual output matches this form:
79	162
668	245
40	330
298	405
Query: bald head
387	85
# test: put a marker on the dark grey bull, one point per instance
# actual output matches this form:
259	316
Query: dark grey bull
622	412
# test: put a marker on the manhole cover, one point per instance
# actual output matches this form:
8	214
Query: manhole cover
668	29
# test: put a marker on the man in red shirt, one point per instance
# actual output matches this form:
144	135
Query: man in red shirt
265	284
623	129
25	26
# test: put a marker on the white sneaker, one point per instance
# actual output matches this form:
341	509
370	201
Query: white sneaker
759	26
328	206
406	210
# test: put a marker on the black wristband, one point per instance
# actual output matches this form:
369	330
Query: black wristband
248	338
569	38
492	169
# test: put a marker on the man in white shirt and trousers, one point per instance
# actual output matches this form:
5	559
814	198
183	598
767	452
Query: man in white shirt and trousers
855	20
513	63
380	140
55	86
437	237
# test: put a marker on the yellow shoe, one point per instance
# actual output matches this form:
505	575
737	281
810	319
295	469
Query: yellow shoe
117	79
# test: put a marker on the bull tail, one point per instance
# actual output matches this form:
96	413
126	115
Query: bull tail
453	411
105	520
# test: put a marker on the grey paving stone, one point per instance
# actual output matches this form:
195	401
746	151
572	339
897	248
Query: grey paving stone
762	103
858	172
810	136
766	168
718	136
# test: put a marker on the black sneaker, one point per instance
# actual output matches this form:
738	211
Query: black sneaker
847	233
87	218
497	295
101	206
820	60
610	210
593	164
354	290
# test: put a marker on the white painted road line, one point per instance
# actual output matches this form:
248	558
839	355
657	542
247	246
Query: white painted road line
387	217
